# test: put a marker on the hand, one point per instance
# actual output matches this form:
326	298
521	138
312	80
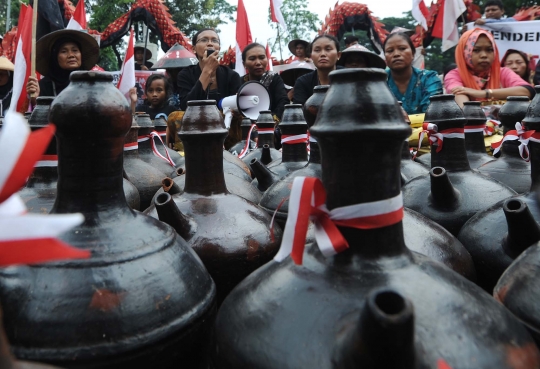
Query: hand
32	87
143	67
133	94
471	92
480	22
209	64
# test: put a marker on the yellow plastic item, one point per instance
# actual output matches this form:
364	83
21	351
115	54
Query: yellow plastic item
416	120
413	138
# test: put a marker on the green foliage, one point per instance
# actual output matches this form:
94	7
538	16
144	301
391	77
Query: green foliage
301	24
14	16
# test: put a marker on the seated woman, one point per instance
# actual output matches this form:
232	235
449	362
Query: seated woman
325	53
6	83
357	56
412	86
207	80
57	55
518	61
255	61
479	75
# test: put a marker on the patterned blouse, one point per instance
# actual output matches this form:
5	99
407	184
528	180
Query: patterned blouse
423	84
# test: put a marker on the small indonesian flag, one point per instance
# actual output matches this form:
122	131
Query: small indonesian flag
269	66
275	13
243	36
127	73
78	21
420	13
19	100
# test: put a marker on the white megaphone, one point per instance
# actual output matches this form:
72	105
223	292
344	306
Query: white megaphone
252	97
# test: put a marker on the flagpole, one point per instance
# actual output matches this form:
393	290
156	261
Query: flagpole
33	56
279	43
145	45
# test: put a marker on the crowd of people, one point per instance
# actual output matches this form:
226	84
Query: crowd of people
478	72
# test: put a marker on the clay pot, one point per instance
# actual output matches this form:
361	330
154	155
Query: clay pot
232	236
518	290
294	155
239	147
39	193
289	316
498	235
143	299
452	193
160	126
265	130
311	106
146	178
510	168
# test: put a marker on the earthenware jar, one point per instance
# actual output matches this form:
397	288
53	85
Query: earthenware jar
265	130
143	298
242	146
510	168
498	235
232	236
297	314
474	134
451	193
39	193
160	126
143	175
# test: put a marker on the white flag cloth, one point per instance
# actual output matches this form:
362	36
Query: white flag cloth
419	13
452	11
275	12
127	74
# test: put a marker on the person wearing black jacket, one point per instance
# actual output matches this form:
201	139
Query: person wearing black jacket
208	80
325	53
255	60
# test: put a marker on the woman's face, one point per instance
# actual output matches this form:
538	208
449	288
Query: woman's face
4	77
205	41
398	53
69	56
300	50
324	53
256	61
483	54
516	63
355	60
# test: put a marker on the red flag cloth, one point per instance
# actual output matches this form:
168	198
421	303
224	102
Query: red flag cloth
243	36
19	99
22	13
78	21
127	74
441	364
420	13
269	66
275	13
437	30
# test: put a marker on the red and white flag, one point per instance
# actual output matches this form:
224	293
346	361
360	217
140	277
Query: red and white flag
28	238
22	13
243	36
275	13
78	21
269	66
19	99
420	12
445	26
127	74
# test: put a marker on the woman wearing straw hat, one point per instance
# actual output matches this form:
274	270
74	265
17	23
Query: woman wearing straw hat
57	55
6	83
140	56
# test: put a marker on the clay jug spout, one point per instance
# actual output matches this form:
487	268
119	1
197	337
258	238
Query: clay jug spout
169	213
443	194
383	336
265	177
170	186
523	231
266	157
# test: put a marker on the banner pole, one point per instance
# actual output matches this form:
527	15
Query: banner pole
34	27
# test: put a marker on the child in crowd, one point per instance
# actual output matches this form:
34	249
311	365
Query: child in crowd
158	90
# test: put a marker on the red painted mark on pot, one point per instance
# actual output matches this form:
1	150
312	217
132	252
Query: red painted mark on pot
441	364
106	300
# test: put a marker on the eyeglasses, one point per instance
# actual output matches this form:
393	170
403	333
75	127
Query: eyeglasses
205	40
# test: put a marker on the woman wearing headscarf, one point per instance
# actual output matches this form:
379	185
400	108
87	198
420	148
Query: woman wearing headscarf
518	61
479	75
57	55
6	83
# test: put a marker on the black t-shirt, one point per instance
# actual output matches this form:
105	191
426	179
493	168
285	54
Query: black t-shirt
148	65
166	109
303	88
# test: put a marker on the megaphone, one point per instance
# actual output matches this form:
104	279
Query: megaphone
252	97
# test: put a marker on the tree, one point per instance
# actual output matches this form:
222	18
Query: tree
14	16
301	24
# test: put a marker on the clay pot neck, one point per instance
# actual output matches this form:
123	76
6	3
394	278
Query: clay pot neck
131	146
534	152
204	164
474	141
452	157
314	153
405	151
294	152
266	139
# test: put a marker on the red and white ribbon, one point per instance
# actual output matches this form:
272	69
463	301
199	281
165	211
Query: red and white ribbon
518	134
294	139
155	150
265	131
436	137
484	128
307	201
495	122
245	150
47	161
131	146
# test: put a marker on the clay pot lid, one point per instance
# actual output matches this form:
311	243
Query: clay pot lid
444	112
265	119
143	120
203	118
293	116
176	57
473	113
514	110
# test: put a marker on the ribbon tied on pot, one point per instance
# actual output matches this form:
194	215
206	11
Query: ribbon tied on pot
246	150
307	202
294	139
155	150
28	238
519	134
484	128
436	137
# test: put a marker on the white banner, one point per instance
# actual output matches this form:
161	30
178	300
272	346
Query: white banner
523	36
